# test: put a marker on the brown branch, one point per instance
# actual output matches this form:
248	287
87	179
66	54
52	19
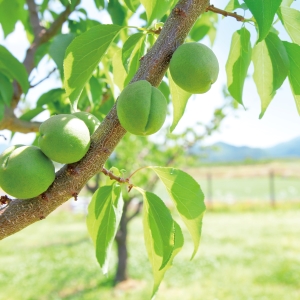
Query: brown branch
34	18
34	85
21	213
41	35
225	13
114	177
12	123
56	25
44	36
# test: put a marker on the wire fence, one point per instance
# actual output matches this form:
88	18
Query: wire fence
259	183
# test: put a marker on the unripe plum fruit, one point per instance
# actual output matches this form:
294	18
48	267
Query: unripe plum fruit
25	171
141	108
194	67
64	138
90	120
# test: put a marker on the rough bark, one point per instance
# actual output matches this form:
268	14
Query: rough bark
71	178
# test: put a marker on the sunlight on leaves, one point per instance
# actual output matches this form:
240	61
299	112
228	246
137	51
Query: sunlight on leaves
188	198
104	215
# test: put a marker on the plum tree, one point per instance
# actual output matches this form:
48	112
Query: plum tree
194	67
64	138
141	108
25	171
94	61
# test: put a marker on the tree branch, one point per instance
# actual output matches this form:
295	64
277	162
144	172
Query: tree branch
226	13
44	36
41	35
34	18
71	178
39	82
12	123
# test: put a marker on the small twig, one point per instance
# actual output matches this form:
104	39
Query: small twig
226	13
136	172
34	85
118	178
114	177
155	31
2	135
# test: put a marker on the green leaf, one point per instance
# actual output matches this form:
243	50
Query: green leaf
6	90
279	59
10	12
290	19
96	90
287	2
99	3
84	54
104	215
155	9
117	12
50	96
187	197
2	108
271	66
58	48
204	25
30	114
158	220
128	48
156	259
232	5
293	51
134	63
163	236
108	75
132	4
238	63
165	89
119	72
179	100
13	68
263	12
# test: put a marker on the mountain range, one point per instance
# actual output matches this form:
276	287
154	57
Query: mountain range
223	152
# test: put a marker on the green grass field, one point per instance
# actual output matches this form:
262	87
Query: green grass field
243	256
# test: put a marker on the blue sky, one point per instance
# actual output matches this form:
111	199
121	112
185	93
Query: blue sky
280	123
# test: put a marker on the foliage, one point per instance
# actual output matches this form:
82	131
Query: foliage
95	61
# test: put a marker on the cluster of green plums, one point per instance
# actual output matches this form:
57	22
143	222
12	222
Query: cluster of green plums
28	171
142	108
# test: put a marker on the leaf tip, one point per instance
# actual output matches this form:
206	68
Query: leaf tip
261	115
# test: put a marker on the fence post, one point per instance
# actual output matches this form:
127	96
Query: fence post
209	188
272	187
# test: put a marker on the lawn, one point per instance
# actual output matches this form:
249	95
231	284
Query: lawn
243	255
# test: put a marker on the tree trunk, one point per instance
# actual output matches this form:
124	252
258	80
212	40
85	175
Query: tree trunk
121	239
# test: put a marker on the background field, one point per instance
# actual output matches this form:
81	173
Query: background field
251	182
248	249
243	255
